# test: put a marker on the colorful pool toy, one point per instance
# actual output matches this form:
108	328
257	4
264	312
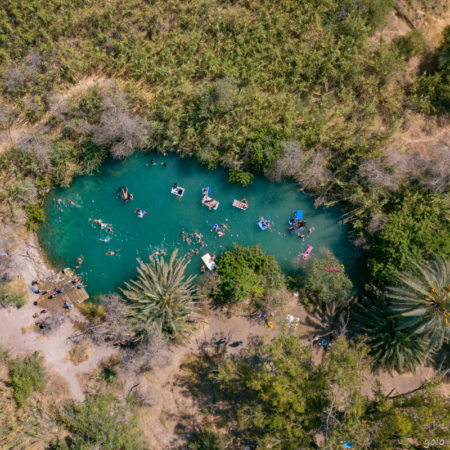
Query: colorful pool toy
241	204
264	224
307	252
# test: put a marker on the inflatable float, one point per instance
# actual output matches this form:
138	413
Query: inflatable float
241	204
264	224
297	221
177	190
307	252
210	202
206	190
208	261
140	213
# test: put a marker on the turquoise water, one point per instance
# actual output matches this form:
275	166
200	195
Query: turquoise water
68	233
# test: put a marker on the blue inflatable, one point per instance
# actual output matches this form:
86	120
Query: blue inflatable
297	216
140	213
215	227
263	224
206	190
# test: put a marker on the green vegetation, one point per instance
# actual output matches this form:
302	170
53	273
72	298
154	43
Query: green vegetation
10	298
416	227
327	286
290	89
27	376
101	420
431	92
206	440
279	398
391	347
422	302
161	298
247	273
35	216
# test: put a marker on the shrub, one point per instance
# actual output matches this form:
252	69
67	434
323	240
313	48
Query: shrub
27	376
247	272
206	440
416	226
92	310
240	176
78	353
35	216
327	286
411	44
10	298
101	421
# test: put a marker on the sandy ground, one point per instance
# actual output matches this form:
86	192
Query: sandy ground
17	333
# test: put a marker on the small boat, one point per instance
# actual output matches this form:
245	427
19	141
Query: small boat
177	190
307	252
241	204
264	224
208	261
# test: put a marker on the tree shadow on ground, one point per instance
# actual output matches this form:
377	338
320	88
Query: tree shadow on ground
198	380
329	321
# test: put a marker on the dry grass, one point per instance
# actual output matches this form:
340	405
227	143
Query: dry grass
79	353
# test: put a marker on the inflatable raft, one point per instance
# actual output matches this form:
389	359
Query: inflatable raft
308	251
210	202
208	261
178	191
264	224
241	204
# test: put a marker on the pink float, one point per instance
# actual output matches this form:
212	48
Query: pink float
308	251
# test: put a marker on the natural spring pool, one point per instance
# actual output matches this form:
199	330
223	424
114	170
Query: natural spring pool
68	233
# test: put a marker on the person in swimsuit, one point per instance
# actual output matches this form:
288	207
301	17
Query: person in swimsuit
112	252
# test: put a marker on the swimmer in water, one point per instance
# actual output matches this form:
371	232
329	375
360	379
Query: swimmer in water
153	162
58	201
310	230
112	252
71	202
110	230
195	252
225	227
164	164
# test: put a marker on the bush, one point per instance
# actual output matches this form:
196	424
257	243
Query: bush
247	272
411	44
101	421
35	216
27	376
206	440
327	286
92	310
415	228
431	92
79	353
10	298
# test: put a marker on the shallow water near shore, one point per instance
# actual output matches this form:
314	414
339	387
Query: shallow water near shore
68	233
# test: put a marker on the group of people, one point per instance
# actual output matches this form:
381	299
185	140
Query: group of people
220	229
103	226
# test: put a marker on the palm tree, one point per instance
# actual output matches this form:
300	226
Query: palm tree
422	302
392	348
161	297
